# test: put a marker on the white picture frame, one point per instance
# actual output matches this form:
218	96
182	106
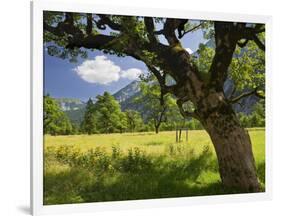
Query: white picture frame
37	8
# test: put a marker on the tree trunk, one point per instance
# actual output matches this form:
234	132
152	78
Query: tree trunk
157	129
232	143
233	148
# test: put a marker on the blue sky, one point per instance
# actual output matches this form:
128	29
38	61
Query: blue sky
98	73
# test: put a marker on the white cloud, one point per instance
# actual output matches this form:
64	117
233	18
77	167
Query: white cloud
100	70
189	50
103	71
131	74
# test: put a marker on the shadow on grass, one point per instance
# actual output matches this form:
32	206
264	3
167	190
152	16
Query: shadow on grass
261	173
153	143
140	134
134	176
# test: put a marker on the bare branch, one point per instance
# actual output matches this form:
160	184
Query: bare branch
171	25
100	25
246	94
258	42
242	44
241	96
190	30
232	92
159	32
157	74
180	27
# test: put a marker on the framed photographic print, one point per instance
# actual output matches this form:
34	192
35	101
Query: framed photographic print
137	107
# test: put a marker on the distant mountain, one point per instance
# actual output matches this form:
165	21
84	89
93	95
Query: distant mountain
70	104
128	91
74	108
127	95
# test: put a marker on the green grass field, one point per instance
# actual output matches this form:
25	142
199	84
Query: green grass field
109	167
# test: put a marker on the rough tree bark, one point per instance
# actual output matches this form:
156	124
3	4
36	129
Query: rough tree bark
212	109
232	145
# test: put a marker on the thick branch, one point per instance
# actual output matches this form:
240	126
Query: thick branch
149	24
241	96
242	44
226	39
258	42
169	30
89	27
105	20
69	18
91	42
250	33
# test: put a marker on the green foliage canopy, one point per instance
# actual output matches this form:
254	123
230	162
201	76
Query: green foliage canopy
55	121
109	116
89	122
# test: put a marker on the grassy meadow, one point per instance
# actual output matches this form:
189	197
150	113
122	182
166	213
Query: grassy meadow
111	167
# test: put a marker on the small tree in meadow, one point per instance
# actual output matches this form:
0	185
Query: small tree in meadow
89	122
134	120
109	116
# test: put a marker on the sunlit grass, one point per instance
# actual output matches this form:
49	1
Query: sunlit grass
148	141
106	167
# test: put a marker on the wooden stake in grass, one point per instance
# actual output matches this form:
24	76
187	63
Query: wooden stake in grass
179	133
177	138
180	136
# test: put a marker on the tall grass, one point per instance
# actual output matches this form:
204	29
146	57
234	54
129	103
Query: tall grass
144	169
